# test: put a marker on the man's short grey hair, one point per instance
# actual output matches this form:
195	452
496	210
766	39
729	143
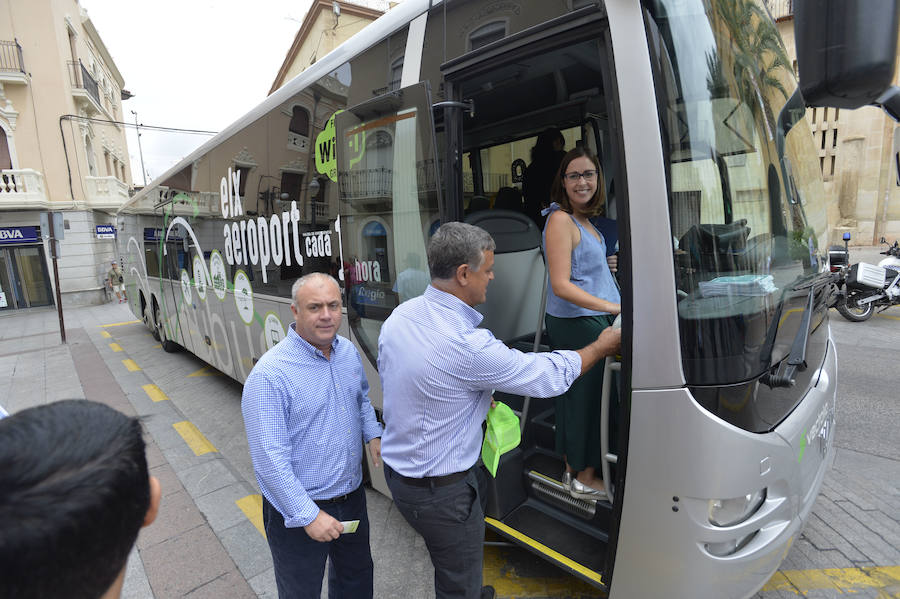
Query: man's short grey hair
455	244
313	276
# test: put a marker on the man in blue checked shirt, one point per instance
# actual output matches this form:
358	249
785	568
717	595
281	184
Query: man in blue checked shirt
438	371
306	410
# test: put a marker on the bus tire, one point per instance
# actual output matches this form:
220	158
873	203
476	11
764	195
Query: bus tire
147	317
167	345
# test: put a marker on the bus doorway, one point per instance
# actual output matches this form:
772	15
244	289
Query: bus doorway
556	80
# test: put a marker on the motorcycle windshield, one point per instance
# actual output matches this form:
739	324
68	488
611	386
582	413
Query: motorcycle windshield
746	199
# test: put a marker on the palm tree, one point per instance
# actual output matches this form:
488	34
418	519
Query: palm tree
759	55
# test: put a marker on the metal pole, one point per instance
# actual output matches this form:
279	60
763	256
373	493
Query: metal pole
140	151
62	325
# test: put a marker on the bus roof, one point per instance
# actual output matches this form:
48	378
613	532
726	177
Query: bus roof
386	25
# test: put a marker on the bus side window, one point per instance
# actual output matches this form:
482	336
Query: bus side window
151	258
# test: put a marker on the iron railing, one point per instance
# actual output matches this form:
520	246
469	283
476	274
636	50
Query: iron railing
81	79
781	9
11	56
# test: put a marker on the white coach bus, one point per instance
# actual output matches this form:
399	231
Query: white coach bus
719	432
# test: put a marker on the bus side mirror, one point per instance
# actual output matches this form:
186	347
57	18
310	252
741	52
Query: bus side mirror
846	51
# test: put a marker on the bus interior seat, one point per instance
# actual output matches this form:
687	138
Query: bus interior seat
514	297
478	203
509	198
716	248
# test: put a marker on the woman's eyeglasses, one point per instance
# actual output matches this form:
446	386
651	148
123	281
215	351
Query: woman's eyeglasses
575	176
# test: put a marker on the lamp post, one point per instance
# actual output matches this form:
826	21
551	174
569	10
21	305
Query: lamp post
140	151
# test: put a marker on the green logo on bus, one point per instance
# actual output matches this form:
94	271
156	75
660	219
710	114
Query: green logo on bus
326	150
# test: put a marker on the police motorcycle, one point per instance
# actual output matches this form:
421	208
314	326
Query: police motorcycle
862	287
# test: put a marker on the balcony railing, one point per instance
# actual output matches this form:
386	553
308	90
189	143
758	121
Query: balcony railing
781	9
378	183
81	79
22	188
105	193
11	57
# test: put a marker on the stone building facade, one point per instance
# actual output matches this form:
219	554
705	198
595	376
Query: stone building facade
62	149
855	154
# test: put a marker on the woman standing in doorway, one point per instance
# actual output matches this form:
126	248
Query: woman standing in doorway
582	300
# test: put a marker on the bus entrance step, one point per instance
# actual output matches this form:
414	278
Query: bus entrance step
559	541
553	491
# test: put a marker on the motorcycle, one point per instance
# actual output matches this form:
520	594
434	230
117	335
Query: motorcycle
864	287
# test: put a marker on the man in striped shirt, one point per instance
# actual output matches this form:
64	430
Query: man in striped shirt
306	410
438	371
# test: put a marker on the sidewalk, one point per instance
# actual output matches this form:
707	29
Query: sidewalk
207	540
180	555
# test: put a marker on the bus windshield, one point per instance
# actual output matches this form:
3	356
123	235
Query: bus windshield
746	200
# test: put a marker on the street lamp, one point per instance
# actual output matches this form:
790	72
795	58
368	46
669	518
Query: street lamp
140	151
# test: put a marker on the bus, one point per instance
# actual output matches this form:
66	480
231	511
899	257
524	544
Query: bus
719	430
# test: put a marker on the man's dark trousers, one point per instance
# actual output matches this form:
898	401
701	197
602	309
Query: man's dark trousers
300	561
451	520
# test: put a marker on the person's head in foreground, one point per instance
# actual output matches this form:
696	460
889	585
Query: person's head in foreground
74	492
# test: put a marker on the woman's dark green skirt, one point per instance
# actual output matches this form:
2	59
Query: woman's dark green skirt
578	410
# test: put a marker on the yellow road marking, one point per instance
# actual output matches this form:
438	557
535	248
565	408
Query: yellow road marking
157	346
131	365
843	580
206	371
155	393
788	313
105	335
118	324
194	438
554	555
888	316
513	576
115	347
251	505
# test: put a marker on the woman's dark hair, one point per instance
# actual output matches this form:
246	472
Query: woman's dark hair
558	190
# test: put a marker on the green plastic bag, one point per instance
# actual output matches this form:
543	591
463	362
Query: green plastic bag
502	434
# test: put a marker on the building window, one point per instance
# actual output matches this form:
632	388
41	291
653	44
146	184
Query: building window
290	185
298	130
824	124
91	159
245	173
299	121
486	34
396	74
5	154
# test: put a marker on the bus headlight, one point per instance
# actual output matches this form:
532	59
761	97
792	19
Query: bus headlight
728	512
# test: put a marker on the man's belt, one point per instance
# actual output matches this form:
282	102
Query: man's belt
433	481
338	499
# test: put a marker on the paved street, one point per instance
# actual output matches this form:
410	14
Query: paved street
206	541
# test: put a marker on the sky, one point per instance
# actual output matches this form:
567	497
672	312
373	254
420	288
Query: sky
192	64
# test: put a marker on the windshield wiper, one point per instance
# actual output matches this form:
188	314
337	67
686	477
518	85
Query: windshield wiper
784	374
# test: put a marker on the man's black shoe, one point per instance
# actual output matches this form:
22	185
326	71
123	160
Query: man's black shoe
487	592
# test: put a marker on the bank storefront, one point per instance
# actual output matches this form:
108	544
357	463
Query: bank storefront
24	280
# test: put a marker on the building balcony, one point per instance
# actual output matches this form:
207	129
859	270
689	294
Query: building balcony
105	193
84	87
781	9
297	142
22	189
12	65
